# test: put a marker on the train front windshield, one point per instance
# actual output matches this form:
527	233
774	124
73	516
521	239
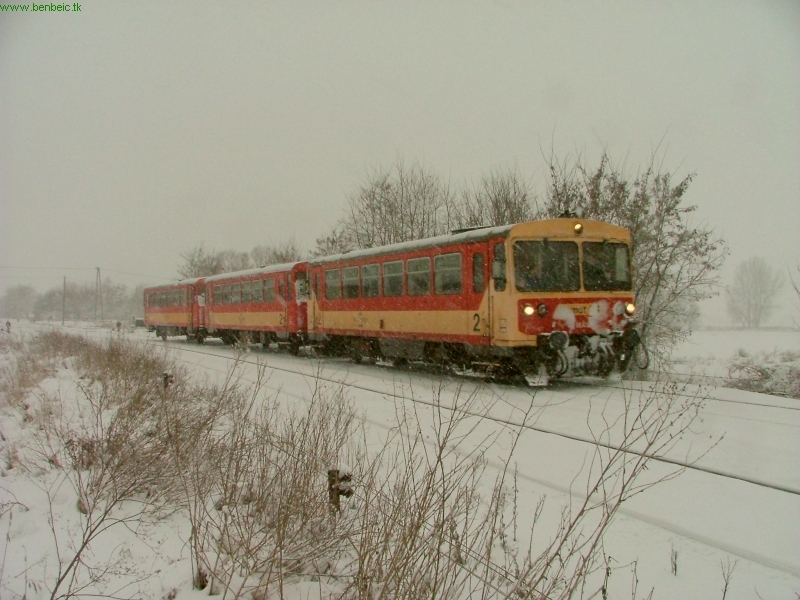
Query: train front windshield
545	266
606	267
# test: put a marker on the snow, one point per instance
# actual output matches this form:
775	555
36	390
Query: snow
706	519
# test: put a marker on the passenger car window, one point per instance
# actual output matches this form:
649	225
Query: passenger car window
419	276
350	282
269	290
447	273
393	278
370	281
333	290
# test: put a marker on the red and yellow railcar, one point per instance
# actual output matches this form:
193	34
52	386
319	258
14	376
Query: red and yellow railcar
540	299
260	305
168	308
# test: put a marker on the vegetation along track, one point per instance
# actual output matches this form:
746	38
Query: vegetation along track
645	518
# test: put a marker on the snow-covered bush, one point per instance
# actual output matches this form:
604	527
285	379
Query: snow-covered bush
776	373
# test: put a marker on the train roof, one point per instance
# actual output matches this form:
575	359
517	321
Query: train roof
253	272
472	235
557	227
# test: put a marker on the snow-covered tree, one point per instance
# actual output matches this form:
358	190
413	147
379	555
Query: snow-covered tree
675	263
499	198
399	204
18	301
275	254
751	299
199	262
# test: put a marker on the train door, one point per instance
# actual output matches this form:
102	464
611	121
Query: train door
199	308
314	314
300	301
285	300
500	320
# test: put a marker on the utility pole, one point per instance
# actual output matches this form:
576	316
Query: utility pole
63	300
98	295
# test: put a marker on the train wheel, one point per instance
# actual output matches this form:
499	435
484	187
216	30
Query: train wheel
200	338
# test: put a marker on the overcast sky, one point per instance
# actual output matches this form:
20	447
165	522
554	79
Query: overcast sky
130	132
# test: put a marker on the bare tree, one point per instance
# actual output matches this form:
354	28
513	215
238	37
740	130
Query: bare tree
499	198
199	262
275	254
399	204
337	241
751	298
675	263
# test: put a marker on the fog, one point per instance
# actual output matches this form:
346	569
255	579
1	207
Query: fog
131	132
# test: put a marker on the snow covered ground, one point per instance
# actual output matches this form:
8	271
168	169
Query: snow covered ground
739	507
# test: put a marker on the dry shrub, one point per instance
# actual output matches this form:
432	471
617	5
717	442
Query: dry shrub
108	445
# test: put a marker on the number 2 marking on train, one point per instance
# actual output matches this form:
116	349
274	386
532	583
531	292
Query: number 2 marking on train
477	318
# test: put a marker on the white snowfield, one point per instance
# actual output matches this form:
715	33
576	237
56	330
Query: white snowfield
737	503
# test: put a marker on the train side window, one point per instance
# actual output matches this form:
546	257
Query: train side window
269	290
226	294
289	287
162	298
246	292
447	273
419	276
258	291
236	293
218	294
316	285
393	278
333	290
477	273
370	281
350	282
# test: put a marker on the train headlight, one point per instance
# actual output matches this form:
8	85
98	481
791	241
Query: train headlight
578	228
630	308
541	310
528	310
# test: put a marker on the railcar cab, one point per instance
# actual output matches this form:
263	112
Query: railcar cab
562	296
